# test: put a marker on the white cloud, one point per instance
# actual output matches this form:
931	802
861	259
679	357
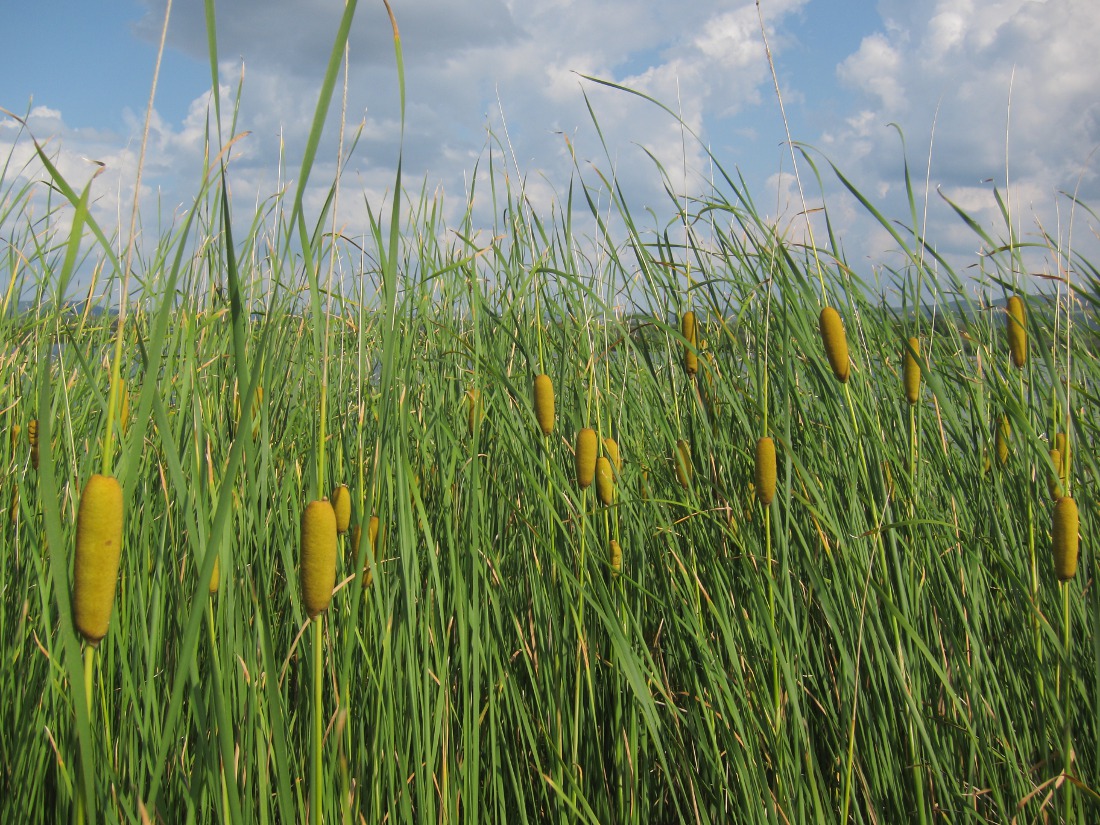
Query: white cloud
987	75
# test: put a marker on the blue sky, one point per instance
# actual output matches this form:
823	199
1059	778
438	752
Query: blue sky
847	70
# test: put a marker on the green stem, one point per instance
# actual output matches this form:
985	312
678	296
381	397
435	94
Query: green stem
316	788
84	791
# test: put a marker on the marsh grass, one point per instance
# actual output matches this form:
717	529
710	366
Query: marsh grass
866	643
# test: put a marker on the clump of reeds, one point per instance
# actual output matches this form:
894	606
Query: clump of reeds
544	403
1064	538
1016	322
911	372
765	470
691	355
585	458
98	551
835	342
318	556
341	505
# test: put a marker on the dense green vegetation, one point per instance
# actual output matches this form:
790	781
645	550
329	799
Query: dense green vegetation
885	642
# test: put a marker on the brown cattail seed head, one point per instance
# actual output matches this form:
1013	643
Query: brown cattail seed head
318	556
544	403
911	371
835	342
611	450
1017	331
691	356
605	480
765	470
616	553
586	457
341	505
1064	540
682	457
98	550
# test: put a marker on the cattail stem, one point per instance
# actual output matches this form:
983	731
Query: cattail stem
1065	681
316	786
84	792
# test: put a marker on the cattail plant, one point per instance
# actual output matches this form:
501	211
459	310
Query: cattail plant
215	576
616	558
1016	323
1064	538
32	437
605	480
835	342
911	372
1004	434
765	470
586	457
14	434
544	403
318	556
98	551
611	450
473	409
682	457
1056	484
341	505
691	355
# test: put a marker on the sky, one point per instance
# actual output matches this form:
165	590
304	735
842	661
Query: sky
985	93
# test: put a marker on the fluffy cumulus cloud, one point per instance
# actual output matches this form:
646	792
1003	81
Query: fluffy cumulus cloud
995	92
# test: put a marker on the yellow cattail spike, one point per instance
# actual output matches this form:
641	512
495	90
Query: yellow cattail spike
544	403
1017	331
318	556
765	471
341	505
605	480
373	536
32	437
1054	480
616	553
835	343
1004	433
1061	444
682	457
15	431
1064	538
911	372
215	575
473	409
611	450
586	457
691	355
98	551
